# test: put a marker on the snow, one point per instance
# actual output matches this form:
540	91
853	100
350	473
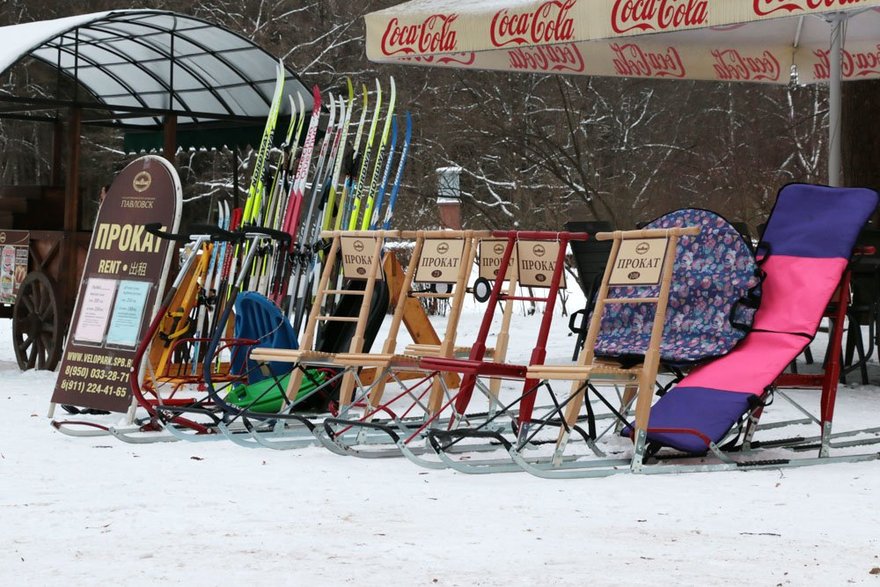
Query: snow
98	511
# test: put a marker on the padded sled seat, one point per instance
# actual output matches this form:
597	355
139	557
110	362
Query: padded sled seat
694	407
258	318
807	243
690	418
713	278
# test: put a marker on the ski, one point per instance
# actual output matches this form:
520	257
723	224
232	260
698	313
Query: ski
330	210
352	163
378	167
204	294
281	170
392	199
311	226
278	183
376	207
294	203
256	188
215	289
351	222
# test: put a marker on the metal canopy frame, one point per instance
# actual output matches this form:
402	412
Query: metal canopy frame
144	66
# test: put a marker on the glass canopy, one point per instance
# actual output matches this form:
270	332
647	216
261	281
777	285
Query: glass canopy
145	64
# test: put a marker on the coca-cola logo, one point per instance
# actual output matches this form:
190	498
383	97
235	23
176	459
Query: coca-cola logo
458	59
767	7
853	64
434	35
547	58
631	60
731	65
549	23
658	15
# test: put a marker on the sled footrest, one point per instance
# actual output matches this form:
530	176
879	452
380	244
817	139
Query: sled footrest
345	292
338	318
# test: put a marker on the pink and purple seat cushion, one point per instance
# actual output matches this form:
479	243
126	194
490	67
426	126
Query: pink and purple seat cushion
808	240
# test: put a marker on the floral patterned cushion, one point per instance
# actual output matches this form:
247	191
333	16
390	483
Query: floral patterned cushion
712	272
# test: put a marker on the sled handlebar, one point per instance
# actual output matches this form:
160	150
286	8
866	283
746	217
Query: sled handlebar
216	233
278	235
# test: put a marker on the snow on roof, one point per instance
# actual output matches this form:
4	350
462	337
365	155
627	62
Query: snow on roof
155	60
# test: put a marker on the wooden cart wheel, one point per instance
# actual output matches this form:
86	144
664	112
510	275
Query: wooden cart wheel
36	323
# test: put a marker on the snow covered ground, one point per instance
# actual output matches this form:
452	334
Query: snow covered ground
98	511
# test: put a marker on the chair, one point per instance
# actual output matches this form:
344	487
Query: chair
590	258
258	318
715	289
805	257
805	250
356	318
864	309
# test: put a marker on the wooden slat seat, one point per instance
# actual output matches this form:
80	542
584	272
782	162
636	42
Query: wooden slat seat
288	355
575	372
379	360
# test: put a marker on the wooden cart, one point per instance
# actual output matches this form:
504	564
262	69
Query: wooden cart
45	297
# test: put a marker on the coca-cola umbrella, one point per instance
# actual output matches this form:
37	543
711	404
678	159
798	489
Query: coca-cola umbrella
765	41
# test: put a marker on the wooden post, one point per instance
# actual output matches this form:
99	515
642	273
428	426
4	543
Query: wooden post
57	142
70	279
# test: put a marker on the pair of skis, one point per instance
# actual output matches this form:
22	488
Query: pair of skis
362	192
301	208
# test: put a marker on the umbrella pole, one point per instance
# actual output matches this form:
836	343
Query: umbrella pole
834	99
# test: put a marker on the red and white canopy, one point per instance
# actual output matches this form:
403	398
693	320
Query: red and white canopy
769	41
725	40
